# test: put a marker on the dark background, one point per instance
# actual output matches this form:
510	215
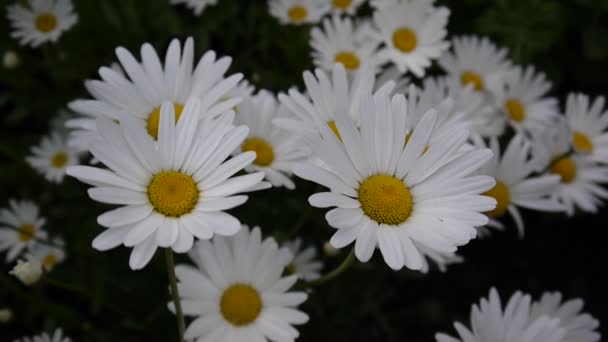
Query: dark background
566	39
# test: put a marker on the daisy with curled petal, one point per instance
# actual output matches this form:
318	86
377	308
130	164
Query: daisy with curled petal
579	327
20	226
236	291
48	255
513	323
298	12
150	84
588	121
171	189
413	34
53	156
197	6
345	6
57	336
303	261
342	40
41	21
395	196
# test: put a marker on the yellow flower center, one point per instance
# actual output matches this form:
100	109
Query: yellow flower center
469	77
46	22
263	150
59	160
49	261
334	128
582	142
566	168
515	110
26	232
348	59
405	39
385	199
297	13
500	192
173	193
154	119
241	304
341	4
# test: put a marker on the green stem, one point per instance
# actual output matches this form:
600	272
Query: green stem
348	261
175	292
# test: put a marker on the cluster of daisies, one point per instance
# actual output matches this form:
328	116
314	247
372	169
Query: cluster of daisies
414	168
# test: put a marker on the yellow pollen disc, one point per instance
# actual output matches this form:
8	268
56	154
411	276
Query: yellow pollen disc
154	119
385	199
297	13
469	77
334	128
59	160
566	168
405	39
241	304
173	193
582	142
500	192
26	232
348	59
46	22
49	261
341	4
263	150
515	110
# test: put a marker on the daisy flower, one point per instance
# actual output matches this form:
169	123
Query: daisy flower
394	196
588	121
298	12
171	189
579	327
149	85
303	263
10	59
20	226
41	21
345	6
413	34
341	40
57	336
27	271
197	6
515	185
236	291
48	255
276	150
513	323
52	157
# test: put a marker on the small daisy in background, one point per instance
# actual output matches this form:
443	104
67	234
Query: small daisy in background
41	21
588	121
413	33
248	301
57	336
10	59
197	6
345	6
6	314
28	272
48	254
20	227
298	12
304	263
53	156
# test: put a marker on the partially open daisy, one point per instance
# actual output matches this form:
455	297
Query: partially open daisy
57	336
413	34
172	189
41	21
197	6
395	196
246	301
20	226
53	156
150	84
342	40
298	12
49	255
588	121
303	262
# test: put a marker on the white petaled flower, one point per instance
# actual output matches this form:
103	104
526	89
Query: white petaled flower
303	263
10	59
28	272
345	6
197	6
298	12
41	21
393	196
20	226
276	149
515	184
579	327
342	40
588	121
149	85
57	336
237	293
49	255
53	156
490	322
171	189
413	34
